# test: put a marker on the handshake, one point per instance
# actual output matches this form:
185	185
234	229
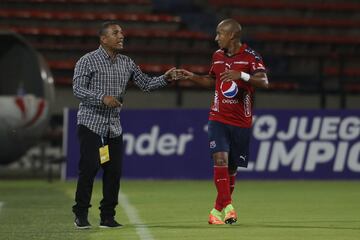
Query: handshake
175	74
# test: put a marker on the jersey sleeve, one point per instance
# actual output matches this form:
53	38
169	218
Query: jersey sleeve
145	82
257	65
211	71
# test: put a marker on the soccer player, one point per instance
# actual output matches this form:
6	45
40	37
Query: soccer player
235	71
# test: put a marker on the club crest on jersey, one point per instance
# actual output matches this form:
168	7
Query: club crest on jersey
212	144
229	89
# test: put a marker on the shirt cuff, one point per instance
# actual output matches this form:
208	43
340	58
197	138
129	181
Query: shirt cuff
100	97
163	80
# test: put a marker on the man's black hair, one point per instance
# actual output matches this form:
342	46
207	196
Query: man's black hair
104	26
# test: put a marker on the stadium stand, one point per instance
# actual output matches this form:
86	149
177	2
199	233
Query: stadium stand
281	4
307	45
139	6
290	21
319	38
20	17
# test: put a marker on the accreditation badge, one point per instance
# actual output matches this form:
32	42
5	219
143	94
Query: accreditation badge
104	154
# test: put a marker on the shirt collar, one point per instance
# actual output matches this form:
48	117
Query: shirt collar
241	50
103	52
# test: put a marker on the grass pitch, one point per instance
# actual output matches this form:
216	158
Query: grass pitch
179	209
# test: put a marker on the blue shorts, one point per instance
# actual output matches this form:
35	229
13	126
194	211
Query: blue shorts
231	139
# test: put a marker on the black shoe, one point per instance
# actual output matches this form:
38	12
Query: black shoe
109	223
82	223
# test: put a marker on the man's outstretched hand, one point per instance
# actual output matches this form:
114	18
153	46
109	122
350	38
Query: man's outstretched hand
174	74
170	75
183	74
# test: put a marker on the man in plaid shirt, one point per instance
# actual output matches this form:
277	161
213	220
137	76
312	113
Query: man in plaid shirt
100	80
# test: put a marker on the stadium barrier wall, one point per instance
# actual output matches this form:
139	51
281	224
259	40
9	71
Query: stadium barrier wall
285	144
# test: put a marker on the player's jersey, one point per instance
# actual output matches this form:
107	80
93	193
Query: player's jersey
233	101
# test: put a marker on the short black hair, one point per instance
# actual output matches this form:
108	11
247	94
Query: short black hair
105	25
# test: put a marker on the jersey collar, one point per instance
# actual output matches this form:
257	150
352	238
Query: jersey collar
241	50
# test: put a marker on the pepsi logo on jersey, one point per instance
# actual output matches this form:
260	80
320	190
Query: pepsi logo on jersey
229	89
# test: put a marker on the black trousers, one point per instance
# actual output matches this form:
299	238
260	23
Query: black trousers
88	167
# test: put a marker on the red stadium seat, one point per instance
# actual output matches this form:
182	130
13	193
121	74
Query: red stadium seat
280	4
86	47
82	32
309	38
348	71
143	2
284	85
62	64
201	69
79	15
61	80
155	68
261	36
297	21
352	87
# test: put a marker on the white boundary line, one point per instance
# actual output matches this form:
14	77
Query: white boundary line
132	213
65	141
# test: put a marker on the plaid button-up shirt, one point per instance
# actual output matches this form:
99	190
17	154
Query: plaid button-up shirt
96	76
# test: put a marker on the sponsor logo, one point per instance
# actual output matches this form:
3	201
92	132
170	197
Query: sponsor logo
221	179
215	106
307	144
247	104
229	89
212	144
154	142
228	65
252	52
230	101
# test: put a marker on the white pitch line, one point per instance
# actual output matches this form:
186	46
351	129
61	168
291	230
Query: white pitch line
141	228
1	205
